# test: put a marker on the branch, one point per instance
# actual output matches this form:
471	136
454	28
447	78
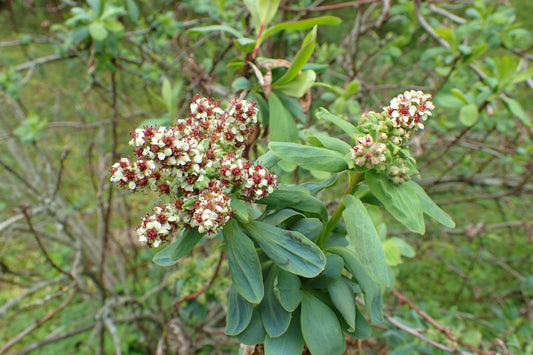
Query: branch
446	331
37	324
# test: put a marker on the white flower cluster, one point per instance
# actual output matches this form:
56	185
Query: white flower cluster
198	163
368	153
383	141
410	109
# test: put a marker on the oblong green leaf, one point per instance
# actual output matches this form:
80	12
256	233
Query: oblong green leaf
340	122
343	298
282	124
310	227
300	25
173	252
516	109
243	263
320	327
332	143
399	200
315	187
300	58
288	290
371	289
298	86
275	318
430	207
255	332
365	240
239	313
214	28
285	195
268	160
290	343
290	250
312	158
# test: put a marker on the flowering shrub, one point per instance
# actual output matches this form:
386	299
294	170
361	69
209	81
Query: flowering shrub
289	275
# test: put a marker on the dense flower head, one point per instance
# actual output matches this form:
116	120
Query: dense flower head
382	142
198	163
410	109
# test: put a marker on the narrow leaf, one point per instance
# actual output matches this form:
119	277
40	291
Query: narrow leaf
288	290
215	28
290	343
275	318
516	109
340	122
320	327
365	239
300	59
343	298
173	252
282	125
267	9
312	158
239	313
243	263
300	25
431	208
399	200
255	332
290	250
298	86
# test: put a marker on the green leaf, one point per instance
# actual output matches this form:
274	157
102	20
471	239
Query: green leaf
468	115
133	10
98	31
340	122
288	290
290	250
97	6
523	75
268	160
362	327
516	109
365	240
315	187
239	313
300	25
310	227
393	256
290	343
343	298
240	208
282	125
404	247
216	28
255	332
173	252
307	157
320	327
300	58
331	143
243	263
298	86
168	97
371	289
312	206
429	207
275	318
399	200
284	196
281	216
267	9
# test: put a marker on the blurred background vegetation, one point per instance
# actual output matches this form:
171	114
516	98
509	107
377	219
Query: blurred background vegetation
76	77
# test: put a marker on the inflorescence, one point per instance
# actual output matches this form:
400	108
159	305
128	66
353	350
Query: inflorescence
382	144
196	164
